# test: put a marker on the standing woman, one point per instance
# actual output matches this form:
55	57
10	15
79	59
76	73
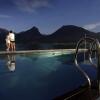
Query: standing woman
7	42
12	40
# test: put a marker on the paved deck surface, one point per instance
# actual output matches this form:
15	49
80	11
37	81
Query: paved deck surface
39	51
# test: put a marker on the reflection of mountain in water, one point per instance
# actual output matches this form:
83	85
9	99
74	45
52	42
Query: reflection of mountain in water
46	62
32	39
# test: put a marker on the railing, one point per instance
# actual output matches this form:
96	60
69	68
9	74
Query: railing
91	41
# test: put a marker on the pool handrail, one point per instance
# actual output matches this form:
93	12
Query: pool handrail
98	60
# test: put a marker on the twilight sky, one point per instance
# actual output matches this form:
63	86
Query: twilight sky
49	15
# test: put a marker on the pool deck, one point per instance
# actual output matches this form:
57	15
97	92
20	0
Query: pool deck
40	51
98	98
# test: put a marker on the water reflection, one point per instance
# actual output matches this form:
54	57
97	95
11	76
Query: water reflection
11	62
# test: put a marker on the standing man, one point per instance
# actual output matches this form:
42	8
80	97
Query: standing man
7	42
12	40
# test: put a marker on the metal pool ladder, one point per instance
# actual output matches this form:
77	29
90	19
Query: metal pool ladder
92	42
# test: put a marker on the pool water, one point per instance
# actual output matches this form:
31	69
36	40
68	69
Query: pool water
39	76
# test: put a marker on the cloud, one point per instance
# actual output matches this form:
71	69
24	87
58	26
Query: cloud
91	26
31	5
5	16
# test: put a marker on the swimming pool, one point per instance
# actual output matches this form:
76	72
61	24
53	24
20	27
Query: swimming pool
39	76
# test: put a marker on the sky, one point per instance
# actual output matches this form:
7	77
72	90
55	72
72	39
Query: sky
49	15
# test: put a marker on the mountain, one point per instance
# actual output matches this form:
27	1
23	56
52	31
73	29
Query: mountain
65	34
31	35
69	33
33	39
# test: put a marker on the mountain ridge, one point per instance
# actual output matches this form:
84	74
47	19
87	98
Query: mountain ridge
65	34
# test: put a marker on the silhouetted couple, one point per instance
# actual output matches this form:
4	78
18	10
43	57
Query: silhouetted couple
10	41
